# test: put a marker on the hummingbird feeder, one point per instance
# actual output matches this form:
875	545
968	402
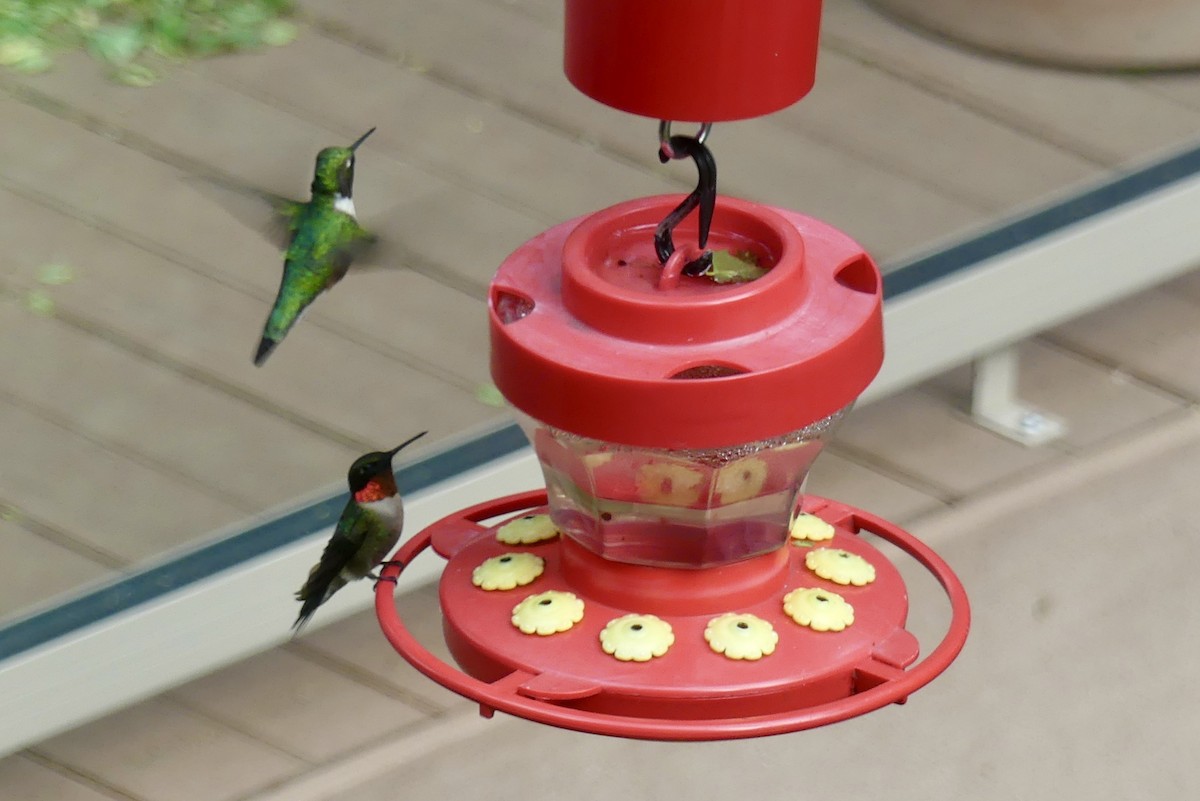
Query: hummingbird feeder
672	581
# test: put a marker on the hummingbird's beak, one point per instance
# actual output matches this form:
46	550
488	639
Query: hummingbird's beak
410	440
354	146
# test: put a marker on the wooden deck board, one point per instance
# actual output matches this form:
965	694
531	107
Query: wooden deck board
865	118
1102	117
48	568
430	125
147	202
1181	87
109	502
242	453
205	328
949	148
142	760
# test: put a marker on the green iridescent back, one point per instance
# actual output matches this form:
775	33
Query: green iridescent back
320	252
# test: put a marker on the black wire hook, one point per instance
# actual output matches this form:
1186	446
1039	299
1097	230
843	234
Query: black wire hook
703	196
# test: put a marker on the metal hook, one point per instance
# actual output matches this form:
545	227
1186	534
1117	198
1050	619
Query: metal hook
664	137
703	196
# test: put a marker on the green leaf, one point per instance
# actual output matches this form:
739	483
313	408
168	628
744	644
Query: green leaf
136	75
49	14
245	15
278	32
166	46
39	303
169	32
728	267
205	43
119	32
86	19
39	63
55	274
488	395
116	44
14	50
13	10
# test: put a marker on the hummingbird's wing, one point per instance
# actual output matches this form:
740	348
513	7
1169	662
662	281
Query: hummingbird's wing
273	215
276	217
325	578
362	250
369	251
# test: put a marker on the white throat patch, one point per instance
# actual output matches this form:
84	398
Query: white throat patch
390	508
344	205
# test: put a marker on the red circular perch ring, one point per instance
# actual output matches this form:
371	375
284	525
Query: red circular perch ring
503	693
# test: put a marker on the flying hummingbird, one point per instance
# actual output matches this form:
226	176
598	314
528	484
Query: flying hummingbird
320	237
366	532
324	238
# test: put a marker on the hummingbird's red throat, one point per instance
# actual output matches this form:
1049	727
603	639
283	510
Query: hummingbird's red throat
380	487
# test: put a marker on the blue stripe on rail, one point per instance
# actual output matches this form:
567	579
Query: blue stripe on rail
1020	231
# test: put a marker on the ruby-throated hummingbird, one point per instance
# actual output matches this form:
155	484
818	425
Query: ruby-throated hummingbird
324	237
366	532
320	237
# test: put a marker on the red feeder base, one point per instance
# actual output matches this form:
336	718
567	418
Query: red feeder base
691	692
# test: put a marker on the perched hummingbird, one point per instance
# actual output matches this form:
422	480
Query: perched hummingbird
323	237
366	532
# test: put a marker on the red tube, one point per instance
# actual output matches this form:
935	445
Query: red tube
697	60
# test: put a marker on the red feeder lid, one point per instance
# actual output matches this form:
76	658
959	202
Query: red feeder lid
584	339
699	60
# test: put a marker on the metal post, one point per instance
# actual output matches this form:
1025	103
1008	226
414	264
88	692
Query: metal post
996	406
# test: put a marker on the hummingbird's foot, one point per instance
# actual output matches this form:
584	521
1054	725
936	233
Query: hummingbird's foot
379	577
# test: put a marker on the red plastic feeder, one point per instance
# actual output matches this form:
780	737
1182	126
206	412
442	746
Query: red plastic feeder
686	60
671	582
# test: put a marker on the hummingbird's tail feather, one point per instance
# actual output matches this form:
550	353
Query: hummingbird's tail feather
317	590
265	346
301	622
306	612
